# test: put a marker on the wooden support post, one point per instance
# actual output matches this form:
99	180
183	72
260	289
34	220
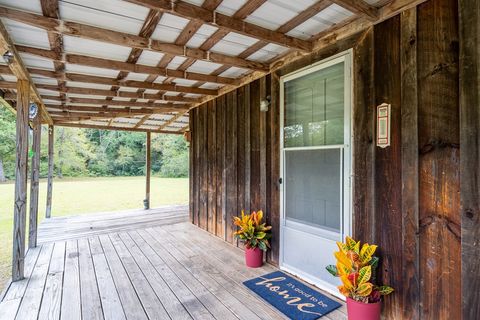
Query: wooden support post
469	22
147	172
32	233
20	209
50	171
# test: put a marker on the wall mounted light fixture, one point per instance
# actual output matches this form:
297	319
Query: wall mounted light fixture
264	104
8	57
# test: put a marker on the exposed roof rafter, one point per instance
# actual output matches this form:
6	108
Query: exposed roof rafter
20	71
248	8
93	126
359	7
231	24
80	30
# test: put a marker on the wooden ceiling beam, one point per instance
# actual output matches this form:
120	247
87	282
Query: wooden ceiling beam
211	4
359	7
214	39
111	93
231	24
248	8
92	126
171	107
123	66
188	32
75	116
172	120
50	9
102	114
17	68
304	16
138	84
252	49
84	31
121	83
166	107
81	108
361	24
165	98
141	121
334	28
104	93
10	85
4	103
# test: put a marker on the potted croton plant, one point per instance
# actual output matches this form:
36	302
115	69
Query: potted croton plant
356	267
255	234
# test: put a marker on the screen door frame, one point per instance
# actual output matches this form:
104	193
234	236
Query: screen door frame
346	149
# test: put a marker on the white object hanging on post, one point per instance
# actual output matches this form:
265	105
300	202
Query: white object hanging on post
383	125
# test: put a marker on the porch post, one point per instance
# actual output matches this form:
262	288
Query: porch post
50	171
32	233
469	22
147	172
20	208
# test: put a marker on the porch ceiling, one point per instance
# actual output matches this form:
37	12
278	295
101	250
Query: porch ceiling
142	65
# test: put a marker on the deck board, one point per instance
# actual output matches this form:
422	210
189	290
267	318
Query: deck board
52	295
148	264
30	305
130	301
111	305
71	303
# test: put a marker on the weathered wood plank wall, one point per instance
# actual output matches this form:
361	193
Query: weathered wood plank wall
439	162
228	159
469	13
406	197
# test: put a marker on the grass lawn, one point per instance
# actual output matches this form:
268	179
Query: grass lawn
87	195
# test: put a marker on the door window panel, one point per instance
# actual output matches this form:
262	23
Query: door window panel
314	108
313	187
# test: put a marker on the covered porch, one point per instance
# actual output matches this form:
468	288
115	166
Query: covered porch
155	265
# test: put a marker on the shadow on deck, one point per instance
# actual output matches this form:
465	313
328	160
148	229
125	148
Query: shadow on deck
135	265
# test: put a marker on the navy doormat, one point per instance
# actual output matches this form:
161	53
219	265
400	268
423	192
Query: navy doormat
291	297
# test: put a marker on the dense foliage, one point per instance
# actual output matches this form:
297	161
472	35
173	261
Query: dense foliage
252	230
92	152
356	268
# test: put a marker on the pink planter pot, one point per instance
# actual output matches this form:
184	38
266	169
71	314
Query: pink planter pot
363	311
253	257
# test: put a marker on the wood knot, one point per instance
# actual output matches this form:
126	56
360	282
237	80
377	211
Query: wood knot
412	40
469	214
441	67
432	219
437	144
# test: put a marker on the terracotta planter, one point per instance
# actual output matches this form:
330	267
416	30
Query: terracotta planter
363	311
253	257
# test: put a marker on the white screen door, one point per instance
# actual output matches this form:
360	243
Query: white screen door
315	158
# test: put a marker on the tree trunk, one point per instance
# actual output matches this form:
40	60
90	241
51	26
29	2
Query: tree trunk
2	172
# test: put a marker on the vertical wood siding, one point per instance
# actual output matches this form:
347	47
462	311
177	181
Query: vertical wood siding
406	198
439	161
229	159
469	13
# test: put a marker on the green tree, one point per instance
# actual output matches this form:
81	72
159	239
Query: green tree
7	144
173	158
73	152
92	152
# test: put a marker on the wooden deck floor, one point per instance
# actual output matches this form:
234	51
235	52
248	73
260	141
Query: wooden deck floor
108	269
